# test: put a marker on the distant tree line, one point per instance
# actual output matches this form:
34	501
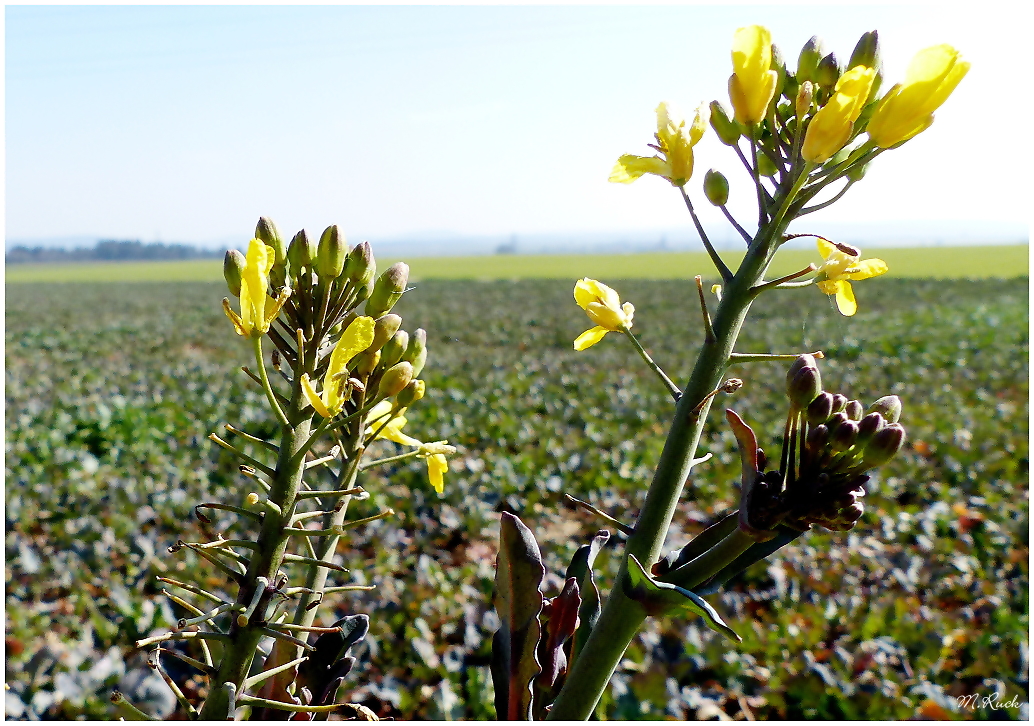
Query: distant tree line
108	250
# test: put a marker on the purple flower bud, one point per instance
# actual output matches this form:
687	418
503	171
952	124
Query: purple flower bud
802	361
889	407
854	410
817	439
883	446
843	436
806	385
839	402
820	409
868	427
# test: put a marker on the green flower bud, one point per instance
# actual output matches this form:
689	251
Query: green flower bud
857	172
778	65
883	446
383	328
765	166
301	252
388	289
854	410
395	379
716	188
889	407
266	231
866	51
330	256
727	129
366	362
233	264
360	267
802	103
412	393
416	351
820	409
394	349
808	61
828	72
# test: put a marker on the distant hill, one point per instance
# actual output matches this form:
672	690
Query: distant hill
108	250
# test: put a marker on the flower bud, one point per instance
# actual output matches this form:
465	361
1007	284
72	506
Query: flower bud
857	172
866	51
394	349
803	102
889	407
301	252
883	446
360	267
828	72
854	410
868	427
807	360
843	436
395	379
233	264
727	129
330	256
805	387
412	393
416	351
383	328
818	439
716	188
267	232
778	65
808	61
388	289
765	166
836	420
839	403
366	362
820	409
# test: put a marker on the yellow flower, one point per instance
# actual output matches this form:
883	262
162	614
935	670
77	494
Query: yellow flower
752	83
434	453
253	320
840	265
674	142
831	126
908	107
358	336
603	306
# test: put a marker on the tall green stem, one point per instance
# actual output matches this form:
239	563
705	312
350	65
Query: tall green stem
622	617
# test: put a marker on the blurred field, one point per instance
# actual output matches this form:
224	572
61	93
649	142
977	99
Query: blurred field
919	262
111	390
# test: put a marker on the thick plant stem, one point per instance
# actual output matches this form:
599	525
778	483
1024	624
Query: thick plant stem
266	561
621	617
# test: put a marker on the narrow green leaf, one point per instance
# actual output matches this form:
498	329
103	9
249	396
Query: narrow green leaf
589	611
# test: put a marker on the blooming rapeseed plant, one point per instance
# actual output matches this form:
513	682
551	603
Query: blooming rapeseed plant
908	107
253	320
603	306
752	83
831	126
841	264
358	336
674	142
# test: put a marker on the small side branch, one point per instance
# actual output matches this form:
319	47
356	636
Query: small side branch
780	282
708	329
730	386
674	390
602	515
719	264
765	357
736	225
253	439
250	459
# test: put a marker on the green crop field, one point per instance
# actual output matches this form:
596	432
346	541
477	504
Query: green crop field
112	389
938	262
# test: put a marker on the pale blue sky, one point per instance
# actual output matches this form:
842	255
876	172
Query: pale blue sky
188	123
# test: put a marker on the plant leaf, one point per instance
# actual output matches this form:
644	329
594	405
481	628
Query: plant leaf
589	611
518	602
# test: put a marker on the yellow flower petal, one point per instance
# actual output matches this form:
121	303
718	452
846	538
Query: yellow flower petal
589	338
867	268
752	84
845	298
254	283
831	126
437	465
630	167
313	398
238	324
358	336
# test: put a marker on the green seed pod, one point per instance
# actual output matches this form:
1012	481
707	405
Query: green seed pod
394	349
820	409
366	362
727	129
266	231
883	446
383	328
360	267
301	252
716	188
889	407
233	266
416	351
808	60
802	103
330	256
412	393
395	379
828	72
866	51
388	289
